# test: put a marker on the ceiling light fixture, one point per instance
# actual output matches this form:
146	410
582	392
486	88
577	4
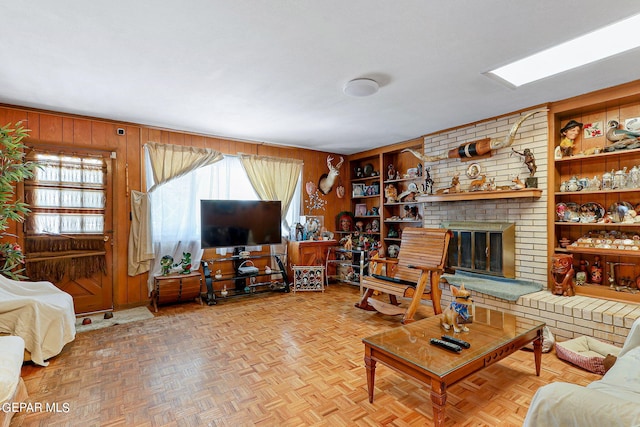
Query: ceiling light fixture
603	43
361	87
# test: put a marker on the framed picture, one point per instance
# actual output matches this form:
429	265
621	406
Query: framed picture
361	209
358	190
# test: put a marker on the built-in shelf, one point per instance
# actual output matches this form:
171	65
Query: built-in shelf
481	195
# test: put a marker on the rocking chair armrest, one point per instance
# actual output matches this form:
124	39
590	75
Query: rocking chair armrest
385	260
425	268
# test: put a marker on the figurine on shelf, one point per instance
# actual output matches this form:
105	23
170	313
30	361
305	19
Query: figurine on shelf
391	171
625	137
569	133
562	273
391	193
596	271
528	159
476	184
218	274
454	188
517	183
428	181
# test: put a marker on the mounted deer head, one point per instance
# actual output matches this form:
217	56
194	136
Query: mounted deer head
326	182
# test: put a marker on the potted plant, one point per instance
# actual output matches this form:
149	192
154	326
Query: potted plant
13	169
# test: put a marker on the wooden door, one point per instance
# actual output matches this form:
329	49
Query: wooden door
69	233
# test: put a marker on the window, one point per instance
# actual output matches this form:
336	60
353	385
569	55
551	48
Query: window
66	195
176	204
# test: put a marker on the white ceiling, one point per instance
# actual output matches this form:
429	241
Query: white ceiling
273	71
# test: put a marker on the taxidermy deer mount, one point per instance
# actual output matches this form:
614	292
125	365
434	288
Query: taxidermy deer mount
326	182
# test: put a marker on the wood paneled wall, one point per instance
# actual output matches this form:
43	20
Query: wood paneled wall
65	130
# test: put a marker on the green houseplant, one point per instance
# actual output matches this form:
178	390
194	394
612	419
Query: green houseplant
13	169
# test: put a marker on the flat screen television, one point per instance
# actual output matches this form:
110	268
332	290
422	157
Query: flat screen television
238	223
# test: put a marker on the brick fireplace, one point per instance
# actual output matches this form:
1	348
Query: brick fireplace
568	317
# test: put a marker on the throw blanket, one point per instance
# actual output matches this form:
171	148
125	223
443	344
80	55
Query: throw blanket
40	313
499	287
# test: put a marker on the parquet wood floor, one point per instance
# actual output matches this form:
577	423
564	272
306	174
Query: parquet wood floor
266	360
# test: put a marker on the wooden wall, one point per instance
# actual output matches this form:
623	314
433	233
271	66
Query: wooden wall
75	131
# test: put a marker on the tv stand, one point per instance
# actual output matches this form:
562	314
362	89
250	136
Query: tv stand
242	284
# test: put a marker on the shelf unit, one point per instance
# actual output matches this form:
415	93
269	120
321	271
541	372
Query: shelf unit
390	216
365	203
405	210
599	108
229	283
482	195
342	262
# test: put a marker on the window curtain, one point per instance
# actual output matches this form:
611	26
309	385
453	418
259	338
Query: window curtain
165	163
273	178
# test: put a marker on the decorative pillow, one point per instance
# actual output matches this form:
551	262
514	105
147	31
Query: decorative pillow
586	352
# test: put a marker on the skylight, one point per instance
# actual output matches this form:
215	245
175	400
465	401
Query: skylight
603	43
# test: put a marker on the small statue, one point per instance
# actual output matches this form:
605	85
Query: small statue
454	188
459	308
428	181
185	263
569	133
391	192
477	184
615	134
562	273
166	263
517	183
391	171
528	160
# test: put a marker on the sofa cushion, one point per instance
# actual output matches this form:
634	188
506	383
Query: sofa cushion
623	379
10	365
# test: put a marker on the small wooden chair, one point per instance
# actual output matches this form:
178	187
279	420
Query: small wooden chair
414	274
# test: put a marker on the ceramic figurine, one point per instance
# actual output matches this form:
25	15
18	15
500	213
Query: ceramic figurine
562	272
615	134
391	193
569	133
185	263
166	263
459	308
218	274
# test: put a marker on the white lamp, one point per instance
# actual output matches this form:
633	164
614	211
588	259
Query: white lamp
361	87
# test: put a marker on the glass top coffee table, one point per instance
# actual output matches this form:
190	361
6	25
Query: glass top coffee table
493	335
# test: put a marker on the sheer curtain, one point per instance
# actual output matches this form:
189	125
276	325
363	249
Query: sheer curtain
175	213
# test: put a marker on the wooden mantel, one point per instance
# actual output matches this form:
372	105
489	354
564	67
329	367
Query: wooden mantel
481	195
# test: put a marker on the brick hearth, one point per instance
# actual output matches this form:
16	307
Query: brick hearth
567	317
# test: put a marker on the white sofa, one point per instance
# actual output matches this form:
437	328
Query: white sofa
612	401
12	388
40	313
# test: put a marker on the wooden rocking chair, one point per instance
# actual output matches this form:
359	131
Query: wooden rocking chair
414	274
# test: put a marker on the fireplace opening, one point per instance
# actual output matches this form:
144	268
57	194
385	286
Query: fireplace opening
482	247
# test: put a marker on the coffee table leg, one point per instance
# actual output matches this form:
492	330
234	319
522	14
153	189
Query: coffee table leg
537	351
370	364
438	400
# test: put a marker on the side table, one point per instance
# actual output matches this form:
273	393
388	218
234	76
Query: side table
175	288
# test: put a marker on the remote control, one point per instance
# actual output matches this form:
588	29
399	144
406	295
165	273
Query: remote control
446	345
454	340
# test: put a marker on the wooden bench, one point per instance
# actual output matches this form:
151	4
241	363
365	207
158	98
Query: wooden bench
416	271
